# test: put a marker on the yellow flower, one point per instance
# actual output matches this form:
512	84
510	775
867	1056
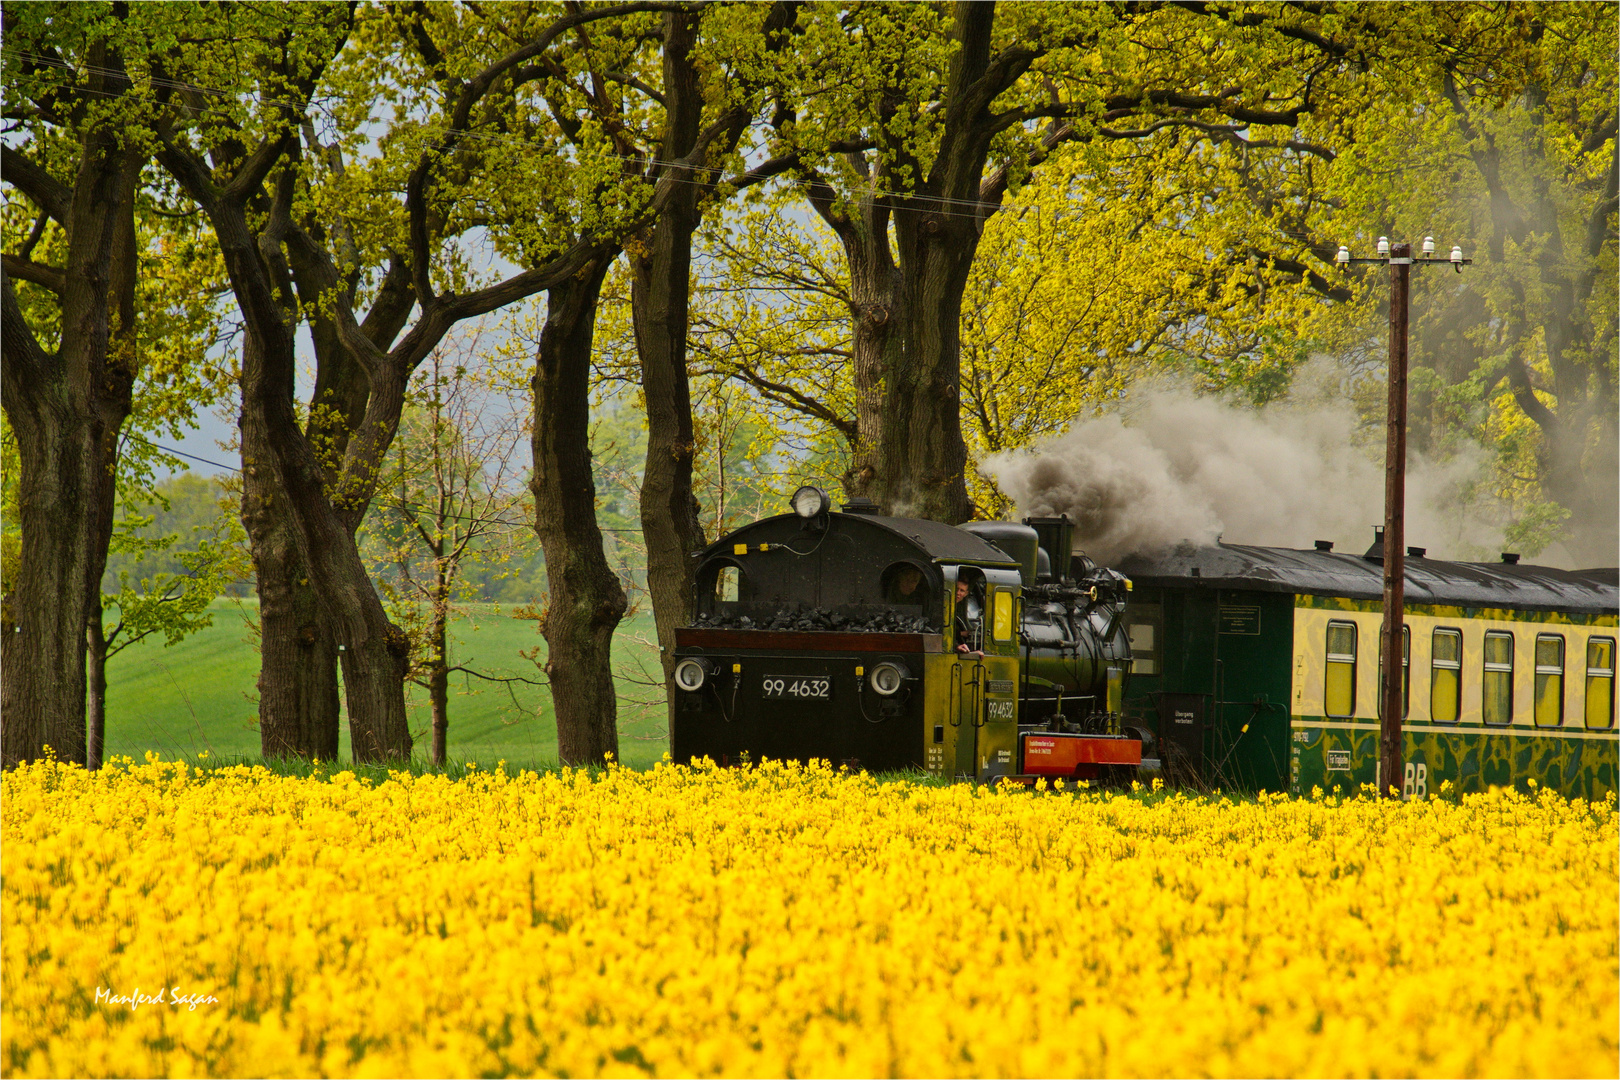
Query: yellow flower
781	919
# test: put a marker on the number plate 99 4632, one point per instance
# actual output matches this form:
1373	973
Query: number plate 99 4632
797	687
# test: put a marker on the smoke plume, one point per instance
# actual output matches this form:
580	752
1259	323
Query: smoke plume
1178	467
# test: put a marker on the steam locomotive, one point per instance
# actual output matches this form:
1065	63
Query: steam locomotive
980	651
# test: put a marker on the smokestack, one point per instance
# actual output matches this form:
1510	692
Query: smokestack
1376	552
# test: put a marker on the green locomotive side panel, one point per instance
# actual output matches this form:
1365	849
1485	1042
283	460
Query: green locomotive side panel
942	735
997	735
970	715
1334	755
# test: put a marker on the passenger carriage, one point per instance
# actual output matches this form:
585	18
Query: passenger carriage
1259	668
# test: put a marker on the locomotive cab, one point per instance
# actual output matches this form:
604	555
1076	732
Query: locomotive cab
883	643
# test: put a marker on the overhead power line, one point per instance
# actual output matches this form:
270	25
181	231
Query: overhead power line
394	503
974	207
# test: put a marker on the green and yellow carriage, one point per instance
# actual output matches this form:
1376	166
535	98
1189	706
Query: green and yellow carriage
1259	669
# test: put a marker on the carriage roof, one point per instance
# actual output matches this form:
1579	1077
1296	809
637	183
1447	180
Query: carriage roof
1359	577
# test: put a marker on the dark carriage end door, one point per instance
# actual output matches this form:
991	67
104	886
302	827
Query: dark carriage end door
1182	719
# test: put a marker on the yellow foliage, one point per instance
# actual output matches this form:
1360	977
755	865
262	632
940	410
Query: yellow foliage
792	921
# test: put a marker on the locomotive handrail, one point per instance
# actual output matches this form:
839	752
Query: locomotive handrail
979	719
953	699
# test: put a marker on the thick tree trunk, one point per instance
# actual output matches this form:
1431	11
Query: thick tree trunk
65	508
881	309
299	714
922	457
586	600
660	287
299	701
66	410
42	695
907	336
373	651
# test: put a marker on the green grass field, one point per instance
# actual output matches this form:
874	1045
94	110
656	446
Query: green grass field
200	694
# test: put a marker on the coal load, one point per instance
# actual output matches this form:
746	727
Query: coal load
883	622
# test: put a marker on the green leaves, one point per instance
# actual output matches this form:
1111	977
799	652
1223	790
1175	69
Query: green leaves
165	581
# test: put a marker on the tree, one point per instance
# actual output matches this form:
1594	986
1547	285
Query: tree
451	505
704	122
586	600
1512	152
1091	277
75	152
592	100
269	253
938	114
227	181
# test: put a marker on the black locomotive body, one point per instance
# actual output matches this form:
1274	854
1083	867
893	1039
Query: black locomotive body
894	643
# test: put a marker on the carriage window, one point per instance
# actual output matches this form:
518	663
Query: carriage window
1142	622
1002	615
1600	682
1340	696
1445	678
1549	703
1406	674
1497	686
728	583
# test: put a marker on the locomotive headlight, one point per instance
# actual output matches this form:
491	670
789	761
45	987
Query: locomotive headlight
810	501
887	678
690	674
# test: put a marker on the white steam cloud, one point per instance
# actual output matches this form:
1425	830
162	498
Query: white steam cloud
1179	467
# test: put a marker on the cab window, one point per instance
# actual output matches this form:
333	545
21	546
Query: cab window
727	583
967	620
1600	682
1497	683
1001	622
1445	676
904	583
1340	688
1549	703
720	582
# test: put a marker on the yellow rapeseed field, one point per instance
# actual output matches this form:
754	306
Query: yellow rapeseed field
784	921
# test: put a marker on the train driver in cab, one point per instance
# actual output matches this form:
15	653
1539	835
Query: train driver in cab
969	622
906	586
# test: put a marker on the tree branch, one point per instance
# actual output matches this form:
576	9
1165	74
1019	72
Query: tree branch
472	92
787	395
34	235
44	190
25	362
50	277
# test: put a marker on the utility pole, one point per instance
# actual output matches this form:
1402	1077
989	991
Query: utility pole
1392	693
1391	752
